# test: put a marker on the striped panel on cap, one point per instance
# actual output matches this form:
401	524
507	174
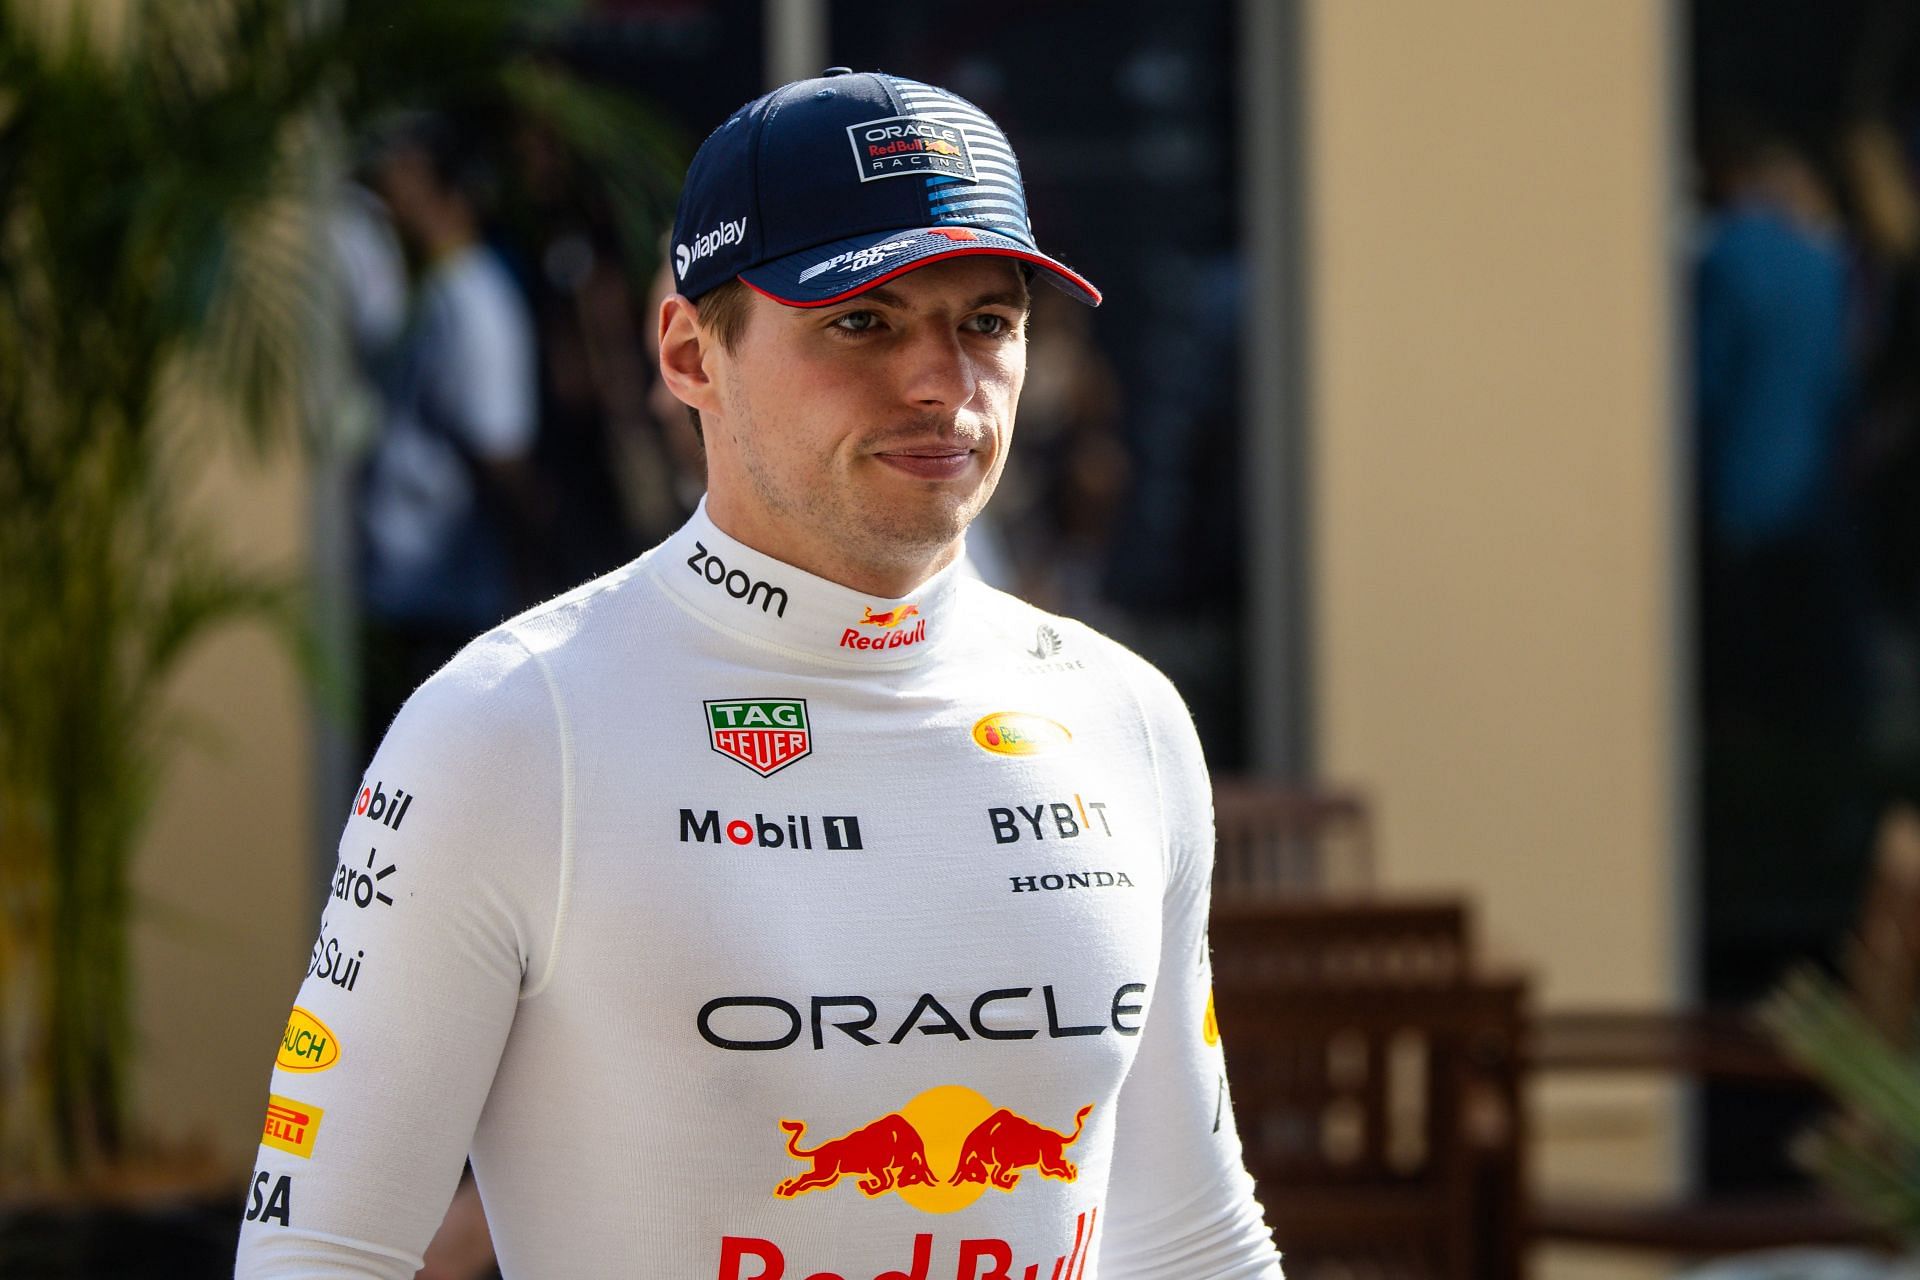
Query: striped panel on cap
995	201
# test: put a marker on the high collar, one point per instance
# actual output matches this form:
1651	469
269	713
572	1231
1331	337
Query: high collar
753	595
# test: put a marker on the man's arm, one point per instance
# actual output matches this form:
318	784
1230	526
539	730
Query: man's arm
1182	1205
440	917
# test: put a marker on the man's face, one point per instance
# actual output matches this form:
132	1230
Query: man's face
861	438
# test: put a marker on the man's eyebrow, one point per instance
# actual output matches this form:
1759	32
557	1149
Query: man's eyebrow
1017	299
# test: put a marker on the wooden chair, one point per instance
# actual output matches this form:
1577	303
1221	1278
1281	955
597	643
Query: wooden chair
1726	1045
1277	839
1376	1088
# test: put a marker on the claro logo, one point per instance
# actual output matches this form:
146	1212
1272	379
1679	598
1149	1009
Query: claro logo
307	1044
737	583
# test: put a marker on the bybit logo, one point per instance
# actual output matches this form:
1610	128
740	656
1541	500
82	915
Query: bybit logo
1055	820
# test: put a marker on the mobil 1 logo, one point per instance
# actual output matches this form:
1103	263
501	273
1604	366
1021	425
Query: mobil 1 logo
389	810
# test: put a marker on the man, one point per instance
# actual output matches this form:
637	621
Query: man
449	492
788	903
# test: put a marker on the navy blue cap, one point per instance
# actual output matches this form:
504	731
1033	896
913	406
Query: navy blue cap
825	188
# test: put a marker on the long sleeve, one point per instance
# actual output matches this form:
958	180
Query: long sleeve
440	918
1182	1203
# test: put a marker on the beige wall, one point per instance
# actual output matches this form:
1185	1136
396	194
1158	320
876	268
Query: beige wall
228	909
1493	536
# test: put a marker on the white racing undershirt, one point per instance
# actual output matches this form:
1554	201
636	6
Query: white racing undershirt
745	927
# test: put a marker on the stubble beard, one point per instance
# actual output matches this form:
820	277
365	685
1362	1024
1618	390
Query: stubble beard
889	537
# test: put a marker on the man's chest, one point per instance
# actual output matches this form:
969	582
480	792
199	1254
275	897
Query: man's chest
789	867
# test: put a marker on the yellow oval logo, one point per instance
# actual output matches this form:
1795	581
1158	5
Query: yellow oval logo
1016	733
1210	1025
307	1044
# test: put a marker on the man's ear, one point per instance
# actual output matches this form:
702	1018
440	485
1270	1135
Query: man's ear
684	351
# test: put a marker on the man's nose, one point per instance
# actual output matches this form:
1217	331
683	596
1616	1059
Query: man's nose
937	370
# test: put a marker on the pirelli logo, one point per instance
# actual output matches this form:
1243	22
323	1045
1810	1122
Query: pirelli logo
291	1126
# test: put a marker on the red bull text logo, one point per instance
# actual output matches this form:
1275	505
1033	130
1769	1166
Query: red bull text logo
889	623
972	1259
939	1153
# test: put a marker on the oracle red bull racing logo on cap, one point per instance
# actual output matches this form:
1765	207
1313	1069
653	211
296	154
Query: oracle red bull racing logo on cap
899	146
939	1153
764	734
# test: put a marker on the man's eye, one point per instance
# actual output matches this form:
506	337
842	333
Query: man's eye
990	324
856	321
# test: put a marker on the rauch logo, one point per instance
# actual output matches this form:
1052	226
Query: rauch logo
764	734
1017	733
307	1044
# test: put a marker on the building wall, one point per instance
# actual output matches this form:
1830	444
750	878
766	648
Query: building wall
228	908
1492	430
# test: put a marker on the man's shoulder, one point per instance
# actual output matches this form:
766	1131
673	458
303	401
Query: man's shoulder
522	663
1027	639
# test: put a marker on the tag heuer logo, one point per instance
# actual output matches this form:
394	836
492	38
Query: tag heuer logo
764	734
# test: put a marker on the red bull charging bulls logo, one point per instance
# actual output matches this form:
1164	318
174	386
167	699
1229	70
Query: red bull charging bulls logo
939	1153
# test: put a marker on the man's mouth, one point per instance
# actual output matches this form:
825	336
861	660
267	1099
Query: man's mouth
928	461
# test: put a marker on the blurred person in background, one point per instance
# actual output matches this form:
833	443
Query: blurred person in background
449	493
597	449
1785	812
1773	390
1058	509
